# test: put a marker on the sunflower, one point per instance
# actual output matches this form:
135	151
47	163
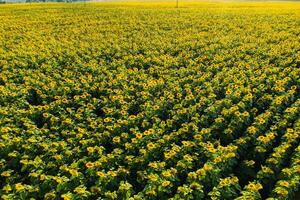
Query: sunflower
255	186
284	184
166	174
165	183
19	186
116	139
139	135
80	190
281	191
7	188
67	196
150	146
101	174
112	173
50	196
89	165
6	173
74	172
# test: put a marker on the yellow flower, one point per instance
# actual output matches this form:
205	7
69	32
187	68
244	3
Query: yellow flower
49	196
125	186
166	183
67	196
255	186
261	121
151	193
235	179
200	171
107	120
19	187
6	173
193	175
46	115
207	167
250	163
100	174
58	179
95	189
129	158
278	101
143	151
34	174
112	173
252	130
188	158
294	87
57	157
151	131
217	160
90	149
284	184
89	165
134	141
224	182
198	137
80	190
139	135
42	177
132	117
123	112
195	186
266	170
186	143
166	174
146	133
74	172
168	155
241	141
117	139
156	107
153	177
13	154
228	92
153	165
281	191
290	130
7	188
150	146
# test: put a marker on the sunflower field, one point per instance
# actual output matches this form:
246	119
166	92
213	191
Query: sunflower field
145	101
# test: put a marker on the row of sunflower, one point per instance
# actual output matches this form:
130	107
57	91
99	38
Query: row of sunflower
277	159
288	183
